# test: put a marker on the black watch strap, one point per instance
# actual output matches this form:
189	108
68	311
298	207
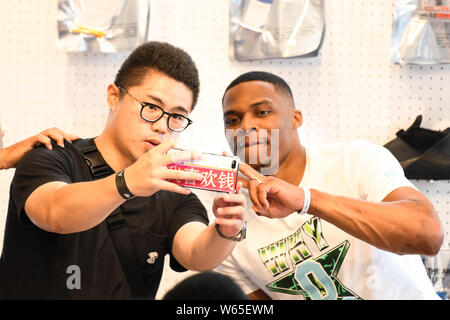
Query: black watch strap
122	186
239	237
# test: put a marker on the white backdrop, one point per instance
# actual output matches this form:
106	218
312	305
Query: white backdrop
350	91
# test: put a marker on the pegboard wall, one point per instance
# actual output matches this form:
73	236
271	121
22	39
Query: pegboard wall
350	91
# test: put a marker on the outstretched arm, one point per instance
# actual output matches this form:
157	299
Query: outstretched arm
67	208
405	222
201	248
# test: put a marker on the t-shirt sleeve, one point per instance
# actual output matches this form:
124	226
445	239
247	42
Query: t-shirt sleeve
379	172
38	167
188	209
230	268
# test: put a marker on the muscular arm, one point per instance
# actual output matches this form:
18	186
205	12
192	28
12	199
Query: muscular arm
67	208
405	222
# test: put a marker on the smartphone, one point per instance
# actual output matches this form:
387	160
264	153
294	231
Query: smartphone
219	172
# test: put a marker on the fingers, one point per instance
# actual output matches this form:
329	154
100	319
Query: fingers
227	222
151	172
261	192
55	134
169	186
67	136
182	156
174	157
230	199
250	172
252	184
181	175
230	211
253	193
41	138
258	193
258	187
164	146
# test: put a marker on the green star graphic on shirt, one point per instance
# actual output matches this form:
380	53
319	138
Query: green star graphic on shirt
317	278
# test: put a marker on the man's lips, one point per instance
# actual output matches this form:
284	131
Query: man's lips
152	143
251	143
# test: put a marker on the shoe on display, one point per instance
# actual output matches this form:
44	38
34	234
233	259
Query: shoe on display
422	153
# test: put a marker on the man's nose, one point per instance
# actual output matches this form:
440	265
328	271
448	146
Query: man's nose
161	124
248	123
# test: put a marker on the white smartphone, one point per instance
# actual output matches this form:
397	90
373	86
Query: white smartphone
219	172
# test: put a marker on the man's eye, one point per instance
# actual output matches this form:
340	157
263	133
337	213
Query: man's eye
263	112
231	121
151	107
177	117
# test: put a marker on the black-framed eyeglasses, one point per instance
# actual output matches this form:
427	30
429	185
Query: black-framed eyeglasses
151	113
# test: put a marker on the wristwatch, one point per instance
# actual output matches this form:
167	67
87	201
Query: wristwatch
239	237
122	186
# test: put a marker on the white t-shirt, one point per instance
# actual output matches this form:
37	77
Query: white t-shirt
304	257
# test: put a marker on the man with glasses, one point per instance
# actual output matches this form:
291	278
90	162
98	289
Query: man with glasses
60	238
151	112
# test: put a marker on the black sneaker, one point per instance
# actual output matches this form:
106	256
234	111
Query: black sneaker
423	153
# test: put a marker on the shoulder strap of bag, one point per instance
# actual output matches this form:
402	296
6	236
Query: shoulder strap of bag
115	222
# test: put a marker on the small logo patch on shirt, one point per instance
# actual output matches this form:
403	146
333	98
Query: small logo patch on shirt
152	257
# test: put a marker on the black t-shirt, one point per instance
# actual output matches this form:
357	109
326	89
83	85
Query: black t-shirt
36	264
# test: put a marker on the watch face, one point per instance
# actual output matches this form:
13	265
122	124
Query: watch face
243	232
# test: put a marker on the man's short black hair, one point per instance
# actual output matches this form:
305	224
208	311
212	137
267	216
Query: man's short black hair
163	57
277	81
209	285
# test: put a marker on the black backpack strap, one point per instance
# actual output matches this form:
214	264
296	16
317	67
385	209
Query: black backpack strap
116	222
126	252
94	160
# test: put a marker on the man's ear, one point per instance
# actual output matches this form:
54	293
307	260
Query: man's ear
113	96
297	119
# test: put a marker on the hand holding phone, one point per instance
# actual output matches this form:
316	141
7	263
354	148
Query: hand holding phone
219	172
